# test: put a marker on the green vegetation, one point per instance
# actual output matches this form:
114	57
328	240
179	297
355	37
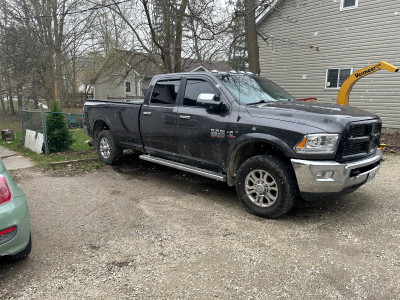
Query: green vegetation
80	158
59	137
81	139
79	150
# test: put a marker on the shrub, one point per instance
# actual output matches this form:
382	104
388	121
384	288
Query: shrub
59	137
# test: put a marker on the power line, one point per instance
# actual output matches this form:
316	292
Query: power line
93	8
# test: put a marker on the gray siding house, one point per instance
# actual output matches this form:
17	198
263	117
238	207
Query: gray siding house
310	47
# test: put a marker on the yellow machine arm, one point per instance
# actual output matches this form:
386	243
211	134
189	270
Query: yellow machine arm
344	92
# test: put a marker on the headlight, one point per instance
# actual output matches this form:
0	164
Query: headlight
320	143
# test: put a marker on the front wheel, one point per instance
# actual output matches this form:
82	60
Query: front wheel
267	186
107	148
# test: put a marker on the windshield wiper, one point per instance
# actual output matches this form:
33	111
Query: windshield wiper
259	102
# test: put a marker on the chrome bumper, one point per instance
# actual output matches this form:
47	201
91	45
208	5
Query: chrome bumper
321	177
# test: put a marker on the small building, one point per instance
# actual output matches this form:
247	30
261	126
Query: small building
311	47
115	84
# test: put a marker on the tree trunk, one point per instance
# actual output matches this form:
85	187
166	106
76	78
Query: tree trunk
19	95
10	101
251	36
35	101
178	37
166	49
2	103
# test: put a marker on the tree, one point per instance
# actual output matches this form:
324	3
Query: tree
58	136
237	55
251	36
170	33
44	39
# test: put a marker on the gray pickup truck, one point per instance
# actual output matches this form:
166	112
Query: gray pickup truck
246	131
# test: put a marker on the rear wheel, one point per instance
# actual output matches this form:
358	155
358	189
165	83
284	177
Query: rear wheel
267	186
107	148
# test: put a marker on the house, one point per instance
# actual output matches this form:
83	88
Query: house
311	47
132	82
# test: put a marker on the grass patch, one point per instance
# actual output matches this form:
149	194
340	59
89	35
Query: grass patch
79	150
80	140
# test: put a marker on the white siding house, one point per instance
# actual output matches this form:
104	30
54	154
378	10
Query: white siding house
135	84
310	46
130	87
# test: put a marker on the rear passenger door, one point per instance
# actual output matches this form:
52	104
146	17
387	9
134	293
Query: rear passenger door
158	119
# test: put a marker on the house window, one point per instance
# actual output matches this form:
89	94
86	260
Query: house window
336	77
127	87
348	4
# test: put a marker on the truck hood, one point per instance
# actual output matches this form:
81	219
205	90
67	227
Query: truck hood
322	116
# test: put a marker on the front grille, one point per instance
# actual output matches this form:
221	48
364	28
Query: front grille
359	130
360	139
353	149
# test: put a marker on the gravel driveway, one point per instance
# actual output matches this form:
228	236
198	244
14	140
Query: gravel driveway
143	231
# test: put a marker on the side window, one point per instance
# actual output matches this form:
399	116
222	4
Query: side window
165	92
336	77
195	87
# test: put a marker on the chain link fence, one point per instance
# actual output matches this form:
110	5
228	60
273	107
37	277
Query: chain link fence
35	120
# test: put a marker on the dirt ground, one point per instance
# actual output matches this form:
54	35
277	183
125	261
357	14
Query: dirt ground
392	142
143	231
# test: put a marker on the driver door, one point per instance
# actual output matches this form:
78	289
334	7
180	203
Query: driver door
198	142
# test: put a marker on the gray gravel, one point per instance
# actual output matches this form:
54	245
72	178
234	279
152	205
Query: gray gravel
142	231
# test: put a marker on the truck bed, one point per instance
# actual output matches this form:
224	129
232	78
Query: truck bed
120	116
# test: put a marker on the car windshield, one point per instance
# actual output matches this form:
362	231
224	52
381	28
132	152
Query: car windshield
254	89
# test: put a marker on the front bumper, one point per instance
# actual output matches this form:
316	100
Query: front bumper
331	177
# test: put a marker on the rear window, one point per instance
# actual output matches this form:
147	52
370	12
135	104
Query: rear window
165	92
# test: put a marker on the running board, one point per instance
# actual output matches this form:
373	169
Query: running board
183	167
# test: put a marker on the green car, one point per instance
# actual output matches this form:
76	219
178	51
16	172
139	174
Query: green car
15	228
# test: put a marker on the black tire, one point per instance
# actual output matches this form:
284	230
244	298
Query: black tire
271	189
107	148
23	253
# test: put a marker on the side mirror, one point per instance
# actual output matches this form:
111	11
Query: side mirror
209	101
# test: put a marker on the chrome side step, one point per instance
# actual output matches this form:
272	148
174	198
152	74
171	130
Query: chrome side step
183	167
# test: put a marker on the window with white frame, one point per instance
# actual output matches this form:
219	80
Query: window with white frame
128	87
335	77
348	4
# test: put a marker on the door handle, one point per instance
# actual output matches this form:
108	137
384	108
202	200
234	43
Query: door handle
184	117
147	113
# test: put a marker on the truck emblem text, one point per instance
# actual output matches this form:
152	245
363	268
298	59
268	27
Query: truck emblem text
218	133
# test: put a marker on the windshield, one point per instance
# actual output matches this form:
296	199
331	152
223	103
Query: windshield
251	90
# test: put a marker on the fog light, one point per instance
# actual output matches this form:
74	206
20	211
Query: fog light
7	234
325	175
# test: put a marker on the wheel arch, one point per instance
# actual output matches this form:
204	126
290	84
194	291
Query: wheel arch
252	145
101	123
